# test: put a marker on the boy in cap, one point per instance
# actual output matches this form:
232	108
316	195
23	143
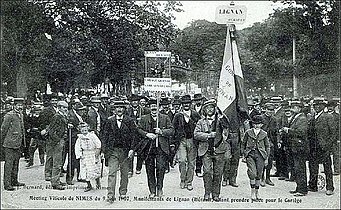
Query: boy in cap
256	150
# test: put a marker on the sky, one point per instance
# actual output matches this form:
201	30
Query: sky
257	11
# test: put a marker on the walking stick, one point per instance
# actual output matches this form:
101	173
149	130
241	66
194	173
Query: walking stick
102	165
70	152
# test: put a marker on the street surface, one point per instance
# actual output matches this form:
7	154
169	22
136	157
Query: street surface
38	193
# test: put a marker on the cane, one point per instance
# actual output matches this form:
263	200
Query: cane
70	152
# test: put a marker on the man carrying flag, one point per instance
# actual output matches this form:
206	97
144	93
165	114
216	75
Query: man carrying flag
232	102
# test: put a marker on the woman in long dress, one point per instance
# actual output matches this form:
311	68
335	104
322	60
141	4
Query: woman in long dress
87	149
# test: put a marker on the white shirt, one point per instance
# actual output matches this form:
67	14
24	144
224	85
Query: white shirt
256	131
187	115
119	121
316	116
197	108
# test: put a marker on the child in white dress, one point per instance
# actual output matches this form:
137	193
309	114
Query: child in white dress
87	149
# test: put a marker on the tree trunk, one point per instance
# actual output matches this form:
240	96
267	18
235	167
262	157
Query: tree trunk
21	82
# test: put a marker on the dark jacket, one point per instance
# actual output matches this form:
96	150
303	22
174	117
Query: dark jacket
297	133
260	142
271	128
12	130
322	131
115	137
179	124
145	126
45	116
57	131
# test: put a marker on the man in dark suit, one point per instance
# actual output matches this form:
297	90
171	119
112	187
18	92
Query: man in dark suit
57	133
136	111
13	135
271	127
95	117
184	123
297	137
74	118
155	137
322	136
119	135
211	132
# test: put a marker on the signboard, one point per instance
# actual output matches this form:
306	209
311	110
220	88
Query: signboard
226	14
157	84
157	54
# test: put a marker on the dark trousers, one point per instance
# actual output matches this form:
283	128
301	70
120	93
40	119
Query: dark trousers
11	168
282	163
255	165
118	161
54	157
336	157
156	164
213	173
34	145
324	157
70	171
139	162
268	168
290	162
234	160
300	171
198	164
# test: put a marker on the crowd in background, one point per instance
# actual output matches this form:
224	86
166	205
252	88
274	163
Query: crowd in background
87	131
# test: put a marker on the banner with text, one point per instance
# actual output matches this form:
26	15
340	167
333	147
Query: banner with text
158	84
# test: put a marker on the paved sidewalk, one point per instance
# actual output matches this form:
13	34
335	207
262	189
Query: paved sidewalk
38	193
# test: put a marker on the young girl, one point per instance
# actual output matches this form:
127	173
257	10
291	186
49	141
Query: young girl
256	148
87	149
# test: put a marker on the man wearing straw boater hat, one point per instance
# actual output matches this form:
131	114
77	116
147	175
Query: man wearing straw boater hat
118	144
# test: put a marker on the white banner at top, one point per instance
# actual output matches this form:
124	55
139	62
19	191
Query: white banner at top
157	54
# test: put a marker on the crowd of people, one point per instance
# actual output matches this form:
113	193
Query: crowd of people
92	131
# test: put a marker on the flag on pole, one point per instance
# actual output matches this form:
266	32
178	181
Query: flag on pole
231	98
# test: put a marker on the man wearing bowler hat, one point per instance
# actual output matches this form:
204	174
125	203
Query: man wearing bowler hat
297	137
13	135
321	133
119	135
155	147
184	124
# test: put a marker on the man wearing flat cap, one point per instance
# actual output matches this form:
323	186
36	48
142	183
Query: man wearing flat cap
13	135
297	137
95	116
322	139
57	134
184	124
155	147
119	136
212	132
